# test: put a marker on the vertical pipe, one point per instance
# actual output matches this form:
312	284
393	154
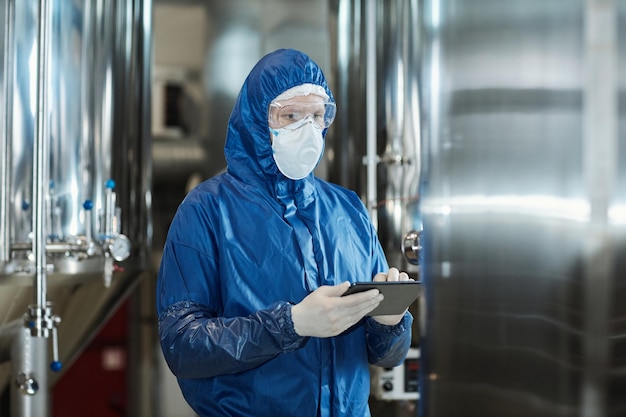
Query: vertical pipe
5	132
29	376
144	210
40	153
30	395
371	107
600	167
143	365
399	164
342	43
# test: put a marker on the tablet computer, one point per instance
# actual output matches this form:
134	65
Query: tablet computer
398	295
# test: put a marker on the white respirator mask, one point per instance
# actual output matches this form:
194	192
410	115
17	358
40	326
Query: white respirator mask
296	128
297	151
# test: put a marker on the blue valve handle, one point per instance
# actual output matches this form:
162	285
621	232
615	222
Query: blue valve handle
42	320
56	366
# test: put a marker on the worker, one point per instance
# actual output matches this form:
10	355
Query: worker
251	316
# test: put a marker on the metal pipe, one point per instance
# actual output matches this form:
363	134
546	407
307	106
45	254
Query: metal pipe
40	154
29	375
371	107
600	166
81	246
5	132
399	164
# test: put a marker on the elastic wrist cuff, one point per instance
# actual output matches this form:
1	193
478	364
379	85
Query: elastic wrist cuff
401	327
292	340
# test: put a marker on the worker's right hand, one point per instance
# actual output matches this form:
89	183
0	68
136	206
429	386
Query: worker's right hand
325	313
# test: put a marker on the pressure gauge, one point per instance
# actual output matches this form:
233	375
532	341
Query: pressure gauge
120	248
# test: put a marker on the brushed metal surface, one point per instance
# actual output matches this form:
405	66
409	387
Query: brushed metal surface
523	130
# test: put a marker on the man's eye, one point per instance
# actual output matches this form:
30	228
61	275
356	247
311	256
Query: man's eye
292	116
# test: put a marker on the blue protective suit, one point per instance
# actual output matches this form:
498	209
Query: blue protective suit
246	244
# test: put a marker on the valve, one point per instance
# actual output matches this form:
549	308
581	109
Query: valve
109	209
27	383
88	207
56	364
90	245
117	246
42	323
120	248
412	246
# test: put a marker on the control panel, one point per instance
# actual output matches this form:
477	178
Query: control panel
399	383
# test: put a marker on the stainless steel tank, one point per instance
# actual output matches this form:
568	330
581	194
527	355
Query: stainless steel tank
74	163
524	132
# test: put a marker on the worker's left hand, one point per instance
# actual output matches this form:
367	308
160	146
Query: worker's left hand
392	275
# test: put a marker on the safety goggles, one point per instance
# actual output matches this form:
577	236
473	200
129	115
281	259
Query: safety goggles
292	116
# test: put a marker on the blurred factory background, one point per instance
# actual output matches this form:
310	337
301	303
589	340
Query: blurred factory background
486	137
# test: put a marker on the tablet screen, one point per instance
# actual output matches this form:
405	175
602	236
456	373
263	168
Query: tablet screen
398	295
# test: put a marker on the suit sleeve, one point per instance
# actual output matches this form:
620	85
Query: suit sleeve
197	345
387	346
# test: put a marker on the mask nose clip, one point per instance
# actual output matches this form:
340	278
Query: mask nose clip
308	120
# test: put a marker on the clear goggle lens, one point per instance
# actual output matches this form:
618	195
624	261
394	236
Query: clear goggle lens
292	116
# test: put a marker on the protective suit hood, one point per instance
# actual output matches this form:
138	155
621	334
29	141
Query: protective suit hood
248	150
